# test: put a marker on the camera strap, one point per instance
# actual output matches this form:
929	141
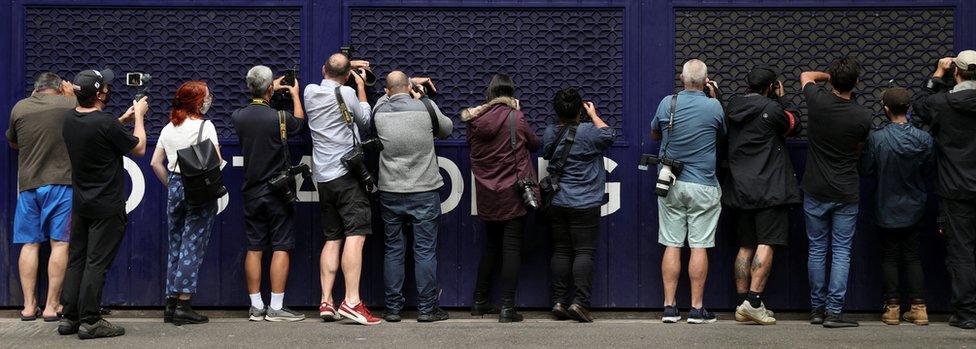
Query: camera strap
513	141
671	112
283	130
559	162
346	115
434	124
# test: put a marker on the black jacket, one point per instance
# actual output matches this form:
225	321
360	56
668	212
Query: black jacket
952	120
759	162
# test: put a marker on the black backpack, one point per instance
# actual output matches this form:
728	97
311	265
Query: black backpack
200	169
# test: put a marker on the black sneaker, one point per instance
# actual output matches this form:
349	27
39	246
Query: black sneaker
67	326
817	316
671	315
559	312
435	315
100	329
392	317
701	316
960	323
838	321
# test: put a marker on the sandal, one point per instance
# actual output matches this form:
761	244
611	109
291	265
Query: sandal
32	317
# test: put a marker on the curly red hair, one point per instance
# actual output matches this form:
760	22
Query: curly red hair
188	100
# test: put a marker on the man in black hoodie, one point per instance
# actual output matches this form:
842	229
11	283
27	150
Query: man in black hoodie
761	186
951	115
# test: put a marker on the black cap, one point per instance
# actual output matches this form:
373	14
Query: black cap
89	82
760	78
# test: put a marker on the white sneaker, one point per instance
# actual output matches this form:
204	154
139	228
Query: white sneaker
758	315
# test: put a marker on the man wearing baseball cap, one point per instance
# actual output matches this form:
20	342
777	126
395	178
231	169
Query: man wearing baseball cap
950	111
96	142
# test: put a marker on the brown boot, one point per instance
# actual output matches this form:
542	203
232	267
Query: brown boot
918	315
892	313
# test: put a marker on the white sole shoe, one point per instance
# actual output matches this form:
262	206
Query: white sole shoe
670	319
701	321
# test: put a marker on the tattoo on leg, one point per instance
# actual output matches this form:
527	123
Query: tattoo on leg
757	264
742	268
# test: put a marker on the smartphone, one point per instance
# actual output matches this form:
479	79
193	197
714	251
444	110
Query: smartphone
133	79
289	77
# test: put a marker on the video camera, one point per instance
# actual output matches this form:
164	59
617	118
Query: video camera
670	170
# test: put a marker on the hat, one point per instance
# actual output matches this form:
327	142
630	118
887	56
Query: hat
760	78
966	60
90	82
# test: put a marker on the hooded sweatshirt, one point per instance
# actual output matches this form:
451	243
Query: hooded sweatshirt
952	120
899	158
496	167
762	174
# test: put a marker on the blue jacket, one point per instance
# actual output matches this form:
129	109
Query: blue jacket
899	158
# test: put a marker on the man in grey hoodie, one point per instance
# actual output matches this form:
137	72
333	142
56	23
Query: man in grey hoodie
409	179
899	157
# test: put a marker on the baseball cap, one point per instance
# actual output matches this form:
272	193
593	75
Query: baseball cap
89	82
966	60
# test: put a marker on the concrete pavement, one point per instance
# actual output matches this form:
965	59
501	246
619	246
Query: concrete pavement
612	330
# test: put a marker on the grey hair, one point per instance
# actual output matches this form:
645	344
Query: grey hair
694	72
47	80
259	79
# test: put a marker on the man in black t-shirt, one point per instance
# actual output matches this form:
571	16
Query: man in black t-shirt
268	217
96	142
837	129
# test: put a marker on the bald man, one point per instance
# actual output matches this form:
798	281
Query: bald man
346	217
409	179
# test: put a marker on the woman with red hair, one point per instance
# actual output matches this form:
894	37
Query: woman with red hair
189	227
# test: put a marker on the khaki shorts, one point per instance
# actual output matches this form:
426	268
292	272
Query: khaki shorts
689	212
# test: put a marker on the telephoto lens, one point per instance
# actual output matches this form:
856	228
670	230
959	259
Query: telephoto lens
664	181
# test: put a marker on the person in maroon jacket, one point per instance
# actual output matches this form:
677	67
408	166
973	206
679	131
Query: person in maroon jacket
497	166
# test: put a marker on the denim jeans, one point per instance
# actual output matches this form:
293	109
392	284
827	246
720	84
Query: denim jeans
830	227
421	211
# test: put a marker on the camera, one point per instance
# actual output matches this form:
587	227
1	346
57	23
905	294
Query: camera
283	184
425	88
525	188
289	79
366	73
670	170
355	162
139	80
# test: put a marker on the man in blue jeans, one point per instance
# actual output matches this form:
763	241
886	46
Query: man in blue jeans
407	122
837	129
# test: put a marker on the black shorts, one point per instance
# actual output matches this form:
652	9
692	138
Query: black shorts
268	222
345	208
766	226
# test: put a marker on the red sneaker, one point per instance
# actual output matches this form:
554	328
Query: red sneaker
328	312
359	314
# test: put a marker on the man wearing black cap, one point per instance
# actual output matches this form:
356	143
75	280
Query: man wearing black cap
96	143
951	115
761	187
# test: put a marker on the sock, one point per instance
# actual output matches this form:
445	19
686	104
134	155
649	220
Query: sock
755	299
276	300
256	300
740	297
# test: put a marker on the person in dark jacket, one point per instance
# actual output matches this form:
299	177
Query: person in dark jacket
899	157
761	188
575	149
497	167
951	115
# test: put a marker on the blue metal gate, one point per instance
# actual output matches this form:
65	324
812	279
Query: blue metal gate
622	53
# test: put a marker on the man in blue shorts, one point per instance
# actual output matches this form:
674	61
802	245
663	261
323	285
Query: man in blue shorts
44	185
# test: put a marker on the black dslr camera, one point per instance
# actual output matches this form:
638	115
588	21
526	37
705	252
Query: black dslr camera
365	73
355	163
670	170
283	184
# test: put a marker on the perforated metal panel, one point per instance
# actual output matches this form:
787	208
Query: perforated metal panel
543	50
891	44
172	44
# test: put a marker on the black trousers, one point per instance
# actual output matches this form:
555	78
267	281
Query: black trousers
960	235
94	243
899	252
575	233
504	242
